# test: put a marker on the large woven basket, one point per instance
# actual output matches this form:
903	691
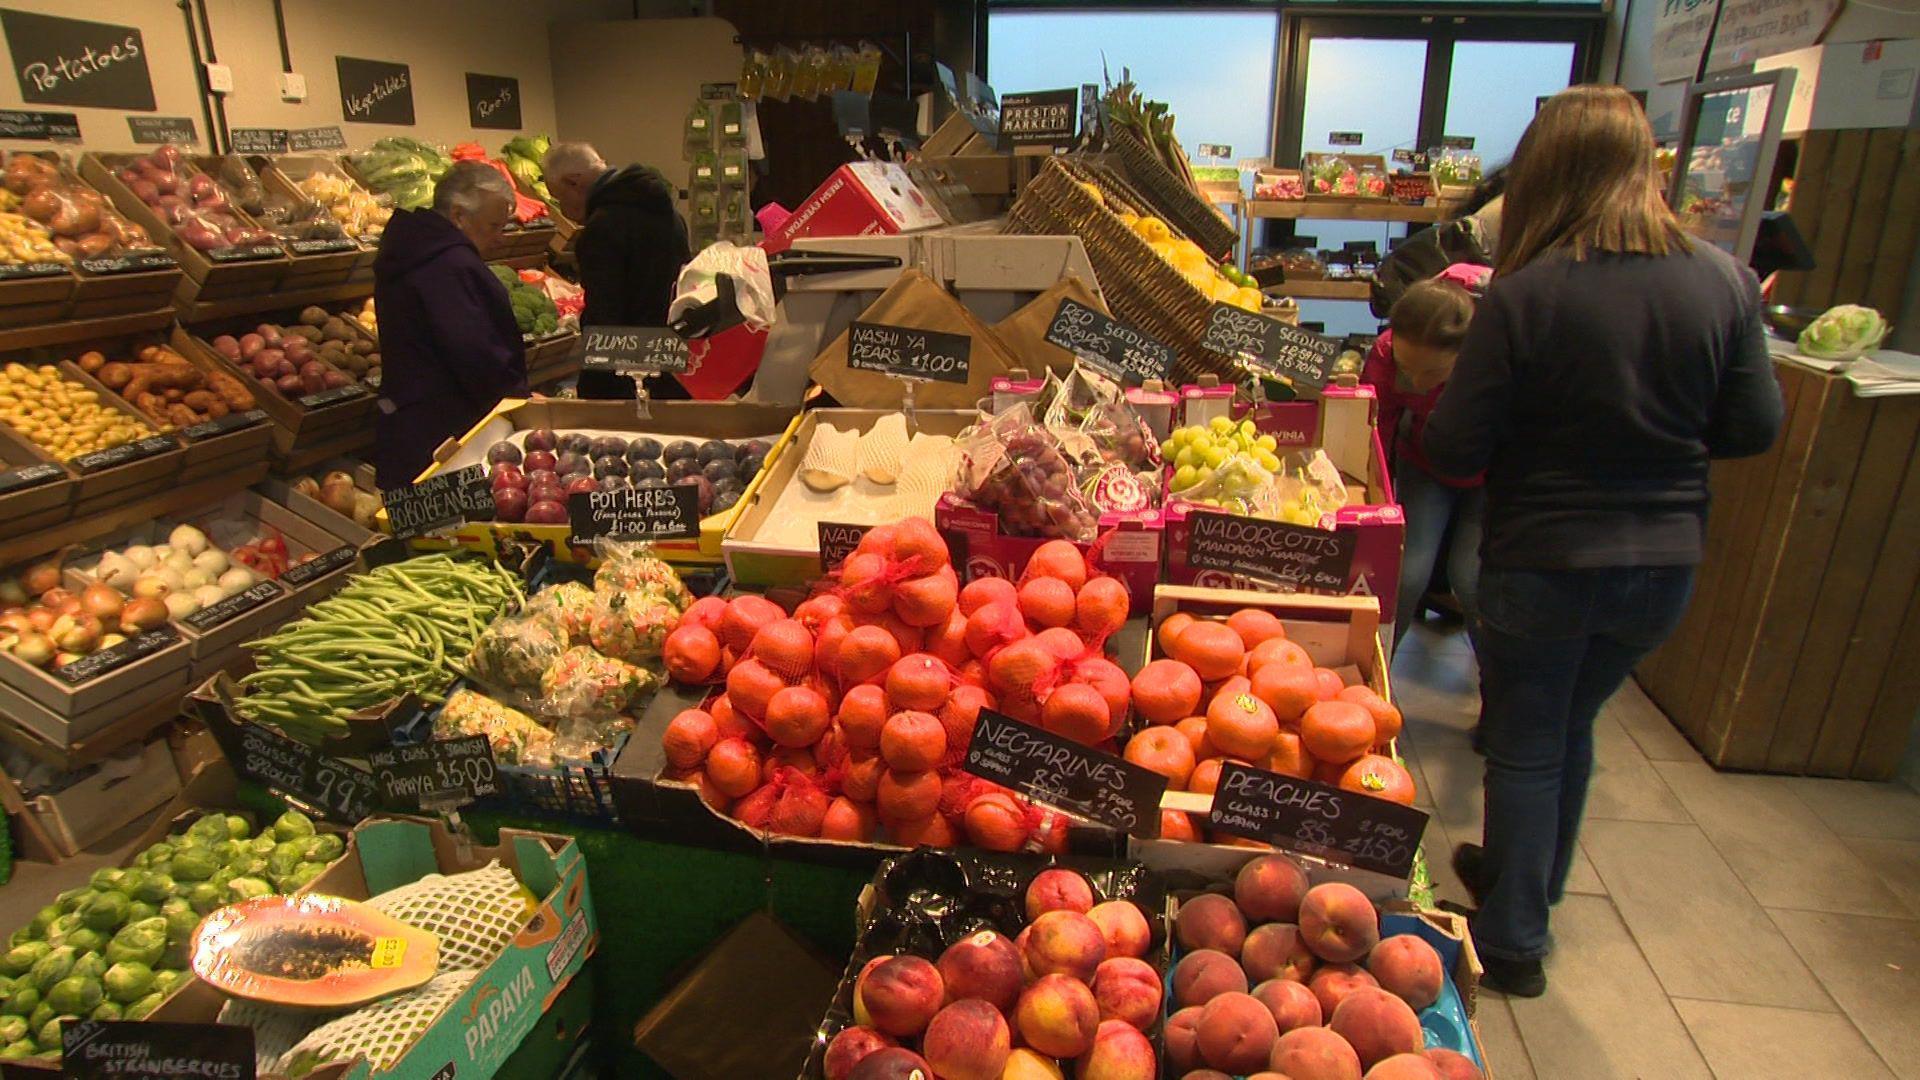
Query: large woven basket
1181	206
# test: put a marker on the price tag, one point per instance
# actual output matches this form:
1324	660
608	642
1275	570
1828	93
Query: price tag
322	247
661	513
838	541
33	124
1345	138
153	130
1216	150
1119	350
15	271
908	353
632	350
334	396
439	502
232	607
259	140
244	254
120	455
337	790
27	476
1059	772
123	264
1415	158
229	423
1300	356
319	567
443	774
1333	823
303	140
155	1050
137	647
1318	560
1457	142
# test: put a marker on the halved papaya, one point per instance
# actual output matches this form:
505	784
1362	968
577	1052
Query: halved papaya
311	951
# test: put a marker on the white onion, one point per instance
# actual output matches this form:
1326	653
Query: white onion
195	578
236	578
212	561
141	556
116	570
180	605
187	538
208	594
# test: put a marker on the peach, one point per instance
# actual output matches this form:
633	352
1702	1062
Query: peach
1314	1053
1339	922
1024	1064
1378	1025
1181	1037
1057	1015
1331	983
968	1040
1269	889
1235	1033
1288	690
912	740
1275	951
1065	943
901	994
1124	927
1454	1065
1405	1067
1119	1052
1058	889
1163	750
893	1063
1206	776
1205	974
1127	989
852	1044
985	965
1291	1003
1211	921
1408	967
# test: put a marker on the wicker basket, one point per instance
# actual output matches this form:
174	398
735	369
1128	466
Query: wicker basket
1180	205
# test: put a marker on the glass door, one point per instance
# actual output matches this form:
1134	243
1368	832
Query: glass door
1494	86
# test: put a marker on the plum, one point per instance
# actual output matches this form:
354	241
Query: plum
678	449
541	476
716	471
581	485
714	450
723	501
751	464
509	504
730	484
680	468
650	482
647	469
576	441
607	446
611	482
643	449
756	447
503	451
508	475
542	461
541	439
572	463
547	512
700	484
610	465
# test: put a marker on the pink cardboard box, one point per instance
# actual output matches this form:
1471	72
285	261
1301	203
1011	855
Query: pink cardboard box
1130	546
865	198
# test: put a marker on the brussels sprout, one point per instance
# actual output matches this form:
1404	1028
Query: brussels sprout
194	864
62	926
51	968
288	855
48	1034
90	966
139	1009
204	897
222	876
71	899
42	1013
106	1010
161	867
249	888
131	881
6	987
292	825
141	943
263	844
18	1050
251	866
24	999
75	996
140	909
154	888
85	940
20	959
21	937
166	982
302	875
324	848
177	957
105	911
181	922
238	828
209	830
228	850
12	1029
107	880
128	983
41	920
155	853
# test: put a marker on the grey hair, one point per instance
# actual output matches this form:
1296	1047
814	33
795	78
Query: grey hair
571	159
468	185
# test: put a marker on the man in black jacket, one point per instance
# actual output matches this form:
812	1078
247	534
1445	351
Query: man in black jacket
631	246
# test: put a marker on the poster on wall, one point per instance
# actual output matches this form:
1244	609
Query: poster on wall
493	101
375	91
1680	29
75	62
1751	29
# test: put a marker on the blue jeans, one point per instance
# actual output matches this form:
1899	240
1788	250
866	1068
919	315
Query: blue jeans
1553	647
1434	511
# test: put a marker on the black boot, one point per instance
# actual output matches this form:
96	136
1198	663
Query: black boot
1470	866
1514	978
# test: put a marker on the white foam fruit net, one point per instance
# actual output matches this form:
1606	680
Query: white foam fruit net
381	1032
276	1029
474	914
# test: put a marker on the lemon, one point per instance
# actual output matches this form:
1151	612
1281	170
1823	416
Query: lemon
1248	298
1152	229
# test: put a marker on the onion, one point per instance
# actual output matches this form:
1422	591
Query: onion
195	578
187	538
211	561
178	561
142	613
208	595
17	622
141	556
116	570
12	594
41	618
103	602
236	579
108	641
76	633
35	649
41	577
180	605
152	585
56	597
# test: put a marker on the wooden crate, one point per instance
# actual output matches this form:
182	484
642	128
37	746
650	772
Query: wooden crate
283	174
297	427
1856	201
41	293
1795	654
218	275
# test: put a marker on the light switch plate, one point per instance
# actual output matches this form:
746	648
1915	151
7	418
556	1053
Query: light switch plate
220	78
293	87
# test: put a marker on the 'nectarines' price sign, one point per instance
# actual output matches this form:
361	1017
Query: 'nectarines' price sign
1306	558
1299	356
123	1049
439	502
1116	349
1301	815
1060	772
660	513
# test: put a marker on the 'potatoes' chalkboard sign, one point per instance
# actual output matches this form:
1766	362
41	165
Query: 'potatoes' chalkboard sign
155	1050
1300	356
74	62
439	502
909	353
442	774
660	513
1301	815
156	130
636	350
493	101
1060	772
1307	558
1113	347
375	91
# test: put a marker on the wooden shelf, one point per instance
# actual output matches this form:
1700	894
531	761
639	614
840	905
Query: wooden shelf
133	727
535	261
206	311
70	330
1322	290
187	499
1345	211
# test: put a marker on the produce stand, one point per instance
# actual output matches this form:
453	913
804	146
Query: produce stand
220	274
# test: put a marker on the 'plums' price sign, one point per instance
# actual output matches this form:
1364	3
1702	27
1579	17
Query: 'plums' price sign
153	1050
1316	560
632	350
1300	356
443	774
910	353
1119	350
653	513
439	502
838	541
1330	822
1059	772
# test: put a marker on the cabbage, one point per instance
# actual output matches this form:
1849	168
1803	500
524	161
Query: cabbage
1843	332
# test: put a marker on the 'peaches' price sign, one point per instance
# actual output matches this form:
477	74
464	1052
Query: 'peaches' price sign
1301	815
1062	773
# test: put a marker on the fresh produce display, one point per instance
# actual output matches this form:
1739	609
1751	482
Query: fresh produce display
61	415
191	571
1221	282
533	309
1090	454
522	155
1458	168
115	948
288	219
337	492
319	352
44	624
402	169
396	629
1279	184
171	390
315	952
1336	174
1296	980
533	473
367	319
1149	121
1073	988
189	201
1233	467
525	208
83	224
24	240
1843	332
359	214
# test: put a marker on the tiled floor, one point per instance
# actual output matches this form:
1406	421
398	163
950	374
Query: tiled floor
1717	925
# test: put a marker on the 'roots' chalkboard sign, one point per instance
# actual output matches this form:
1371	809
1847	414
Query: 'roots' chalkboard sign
375	91
493	101
75	62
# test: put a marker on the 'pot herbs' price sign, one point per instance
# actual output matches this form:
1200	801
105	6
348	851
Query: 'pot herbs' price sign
909	353
1299	356
1118	350
443	774
838	541
1332	823
439	502
1062	773
633	350
141	1049
659	513
1317	560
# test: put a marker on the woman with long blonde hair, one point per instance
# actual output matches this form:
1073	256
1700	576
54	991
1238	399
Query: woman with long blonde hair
1611	358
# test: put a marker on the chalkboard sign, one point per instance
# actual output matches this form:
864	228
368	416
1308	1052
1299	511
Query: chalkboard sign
1345	138
27	476
232	607
1115	348
75	62
319	566
838	541
16	271
155	1050
439	502
141	262
443	774
231	422
321	247
244	254
156	130
493	101
337	790
1300	356
49	126
137	647
1301	815
1306	558
258	140
306	140
375	91
909	353
1457	142
120	455
662	513
1063	773
632	349
334	396
1415	158
1043	118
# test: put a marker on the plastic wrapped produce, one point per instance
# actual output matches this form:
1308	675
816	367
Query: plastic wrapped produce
568	607
1093	407
627	565
583	683
515	652
630	624
516	738
1014	466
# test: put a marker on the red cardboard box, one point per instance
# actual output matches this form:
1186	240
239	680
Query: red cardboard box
865	198
1130	546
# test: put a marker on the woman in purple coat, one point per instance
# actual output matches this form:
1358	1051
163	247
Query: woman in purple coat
448	344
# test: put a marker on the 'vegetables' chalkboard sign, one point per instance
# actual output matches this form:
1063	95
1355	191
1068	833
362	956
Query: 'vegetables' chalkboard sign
33	124
318	567
1063	773
306	140
909	353
493	101
632	349
1297	555
838	541
1047	119
27	476
442	774
75	62
1333	823
375	91
338	790
661	513
114	657
96	460
258	140
155	130
155	1050
1300	356
438	502
1115	348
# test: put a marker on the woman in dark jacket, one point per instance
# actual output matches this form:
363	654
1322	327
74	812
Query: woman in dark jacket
449	347
1611	359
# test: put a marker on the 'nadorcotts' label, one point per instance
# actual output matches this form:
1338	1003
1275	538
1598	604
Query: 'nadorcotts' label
1306	558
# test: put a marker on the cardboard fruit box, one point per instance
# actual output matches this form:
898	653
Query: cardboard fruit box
105	799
